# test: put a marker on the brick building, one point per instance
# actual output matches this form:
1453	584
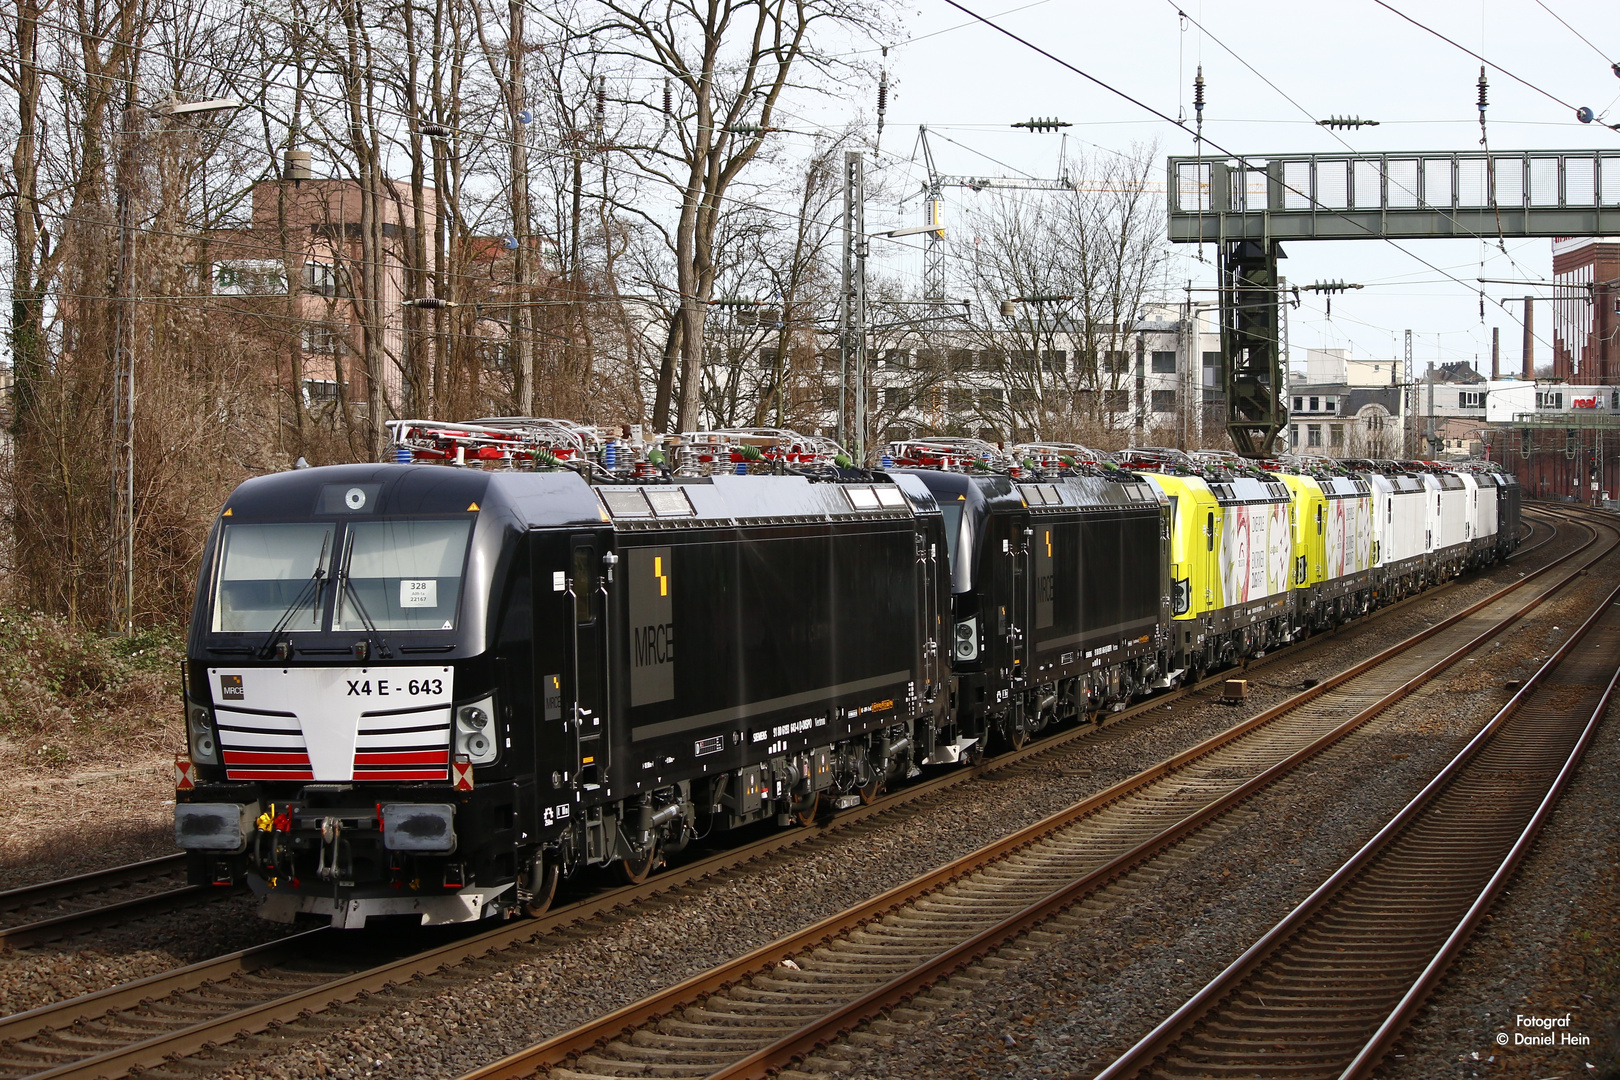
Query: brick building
1586	347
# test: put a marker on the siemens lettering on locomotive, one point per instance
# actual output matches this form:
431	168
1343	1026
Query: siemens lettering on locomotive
433	692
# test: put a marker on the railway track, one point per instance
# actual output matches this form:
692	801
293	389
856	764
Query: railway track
1328	990
765	1011
35	914
176	1013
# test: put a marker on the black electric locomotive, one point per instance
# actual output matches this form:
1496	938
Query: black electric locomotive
427	691
1060	587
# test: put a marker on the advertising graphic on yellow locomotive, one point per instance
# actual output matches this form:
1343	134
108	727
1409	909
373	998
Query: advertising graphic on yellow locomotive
1256	549
1348	531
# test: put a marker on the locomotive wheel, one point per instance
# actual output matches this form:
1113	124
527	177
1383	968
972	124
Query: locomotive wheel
804	808
544	874
1015	734
634	870
871	790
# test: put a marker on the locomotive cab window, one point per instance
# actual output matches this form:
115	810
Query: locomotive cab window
268	572
402	575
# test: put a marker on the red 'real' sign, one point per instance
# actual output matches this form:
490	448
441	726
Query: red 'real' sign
1583	403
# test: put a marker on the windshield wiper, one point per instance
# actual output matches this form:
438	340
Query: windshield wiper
283	649
375	642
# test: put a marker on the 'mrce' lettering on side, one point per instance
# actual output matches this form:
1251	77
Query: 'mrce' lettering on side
652	625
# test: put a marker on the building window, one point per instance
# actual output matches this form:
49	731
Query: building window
1055	361
318	392
1313	434
1336	436
1329	403
961	401
1164	401
1293	436
990	397
320	337
1316	404
1549	399
1164	363
320	278
1471	399
1299	404
1117	401
1115	361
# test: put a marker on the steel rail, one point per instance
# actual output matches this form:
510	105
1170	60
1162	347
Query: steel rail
265	957
795	1045
1165	1039
25	896
40	931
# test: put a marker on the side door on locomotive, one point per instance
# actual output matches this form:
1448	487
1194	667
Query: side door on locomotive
573	743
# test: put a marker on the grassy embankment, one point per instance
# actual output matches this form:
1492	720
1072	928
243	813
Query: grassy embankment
88	727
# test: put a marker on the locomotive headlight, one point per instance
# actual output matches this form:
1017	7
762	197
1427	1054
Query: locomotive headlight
1180	596
200	730
475	736
967	639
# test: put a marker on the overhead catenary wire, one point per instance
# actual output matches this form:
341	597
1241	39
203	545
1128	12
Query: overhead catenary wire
1607	59
1341	140
496	139
1549	95
1182	126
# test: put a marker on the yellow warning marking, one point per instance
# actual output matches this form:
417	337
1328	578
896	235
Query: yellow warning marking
663	578
472	508
227	512
586	761
1048	543
961	498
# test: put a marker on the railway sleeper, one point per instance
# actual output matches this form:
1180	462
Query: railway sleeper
1176	1067
592	1067
1215	1032
869	965
698	1046
51	1056
1260	1051
1341	1005
728	1010
804	981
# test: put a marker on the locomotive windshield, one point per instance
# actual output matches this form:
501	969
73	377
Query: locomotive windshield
267	569
402	575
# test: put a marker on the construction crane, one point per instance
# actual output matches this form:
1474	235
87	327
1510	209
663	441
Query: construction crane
934	207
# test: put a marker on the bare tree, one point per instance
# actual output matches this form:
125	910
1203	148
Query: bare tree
728	63
1080	266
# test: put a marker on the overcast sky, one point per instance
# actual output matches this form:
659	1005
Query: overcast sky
967	83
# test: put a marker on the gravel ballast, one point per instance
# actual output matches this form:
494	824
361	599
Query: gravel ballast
1083	995
535	991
